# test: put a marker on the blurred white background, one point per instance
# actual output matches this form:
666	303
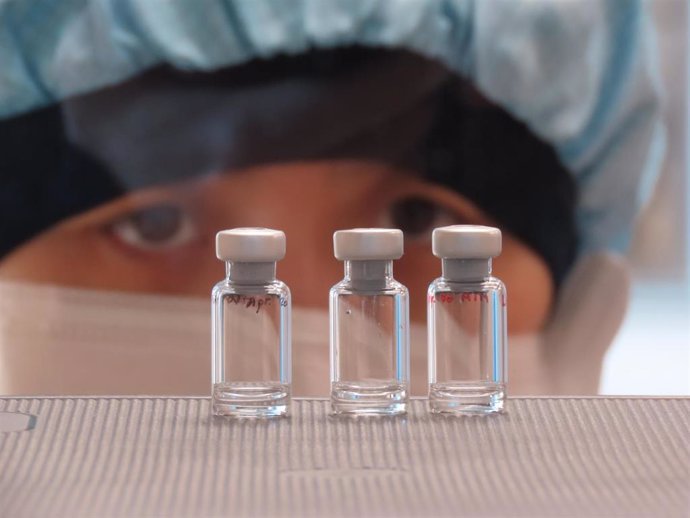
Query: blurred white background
651	354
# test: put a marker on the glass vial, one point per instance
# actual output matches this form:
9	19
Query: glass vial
369	313
466	311
251	367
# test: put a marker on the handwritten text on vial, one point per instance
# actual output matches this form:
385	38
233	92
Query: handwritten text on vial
254	302
449	298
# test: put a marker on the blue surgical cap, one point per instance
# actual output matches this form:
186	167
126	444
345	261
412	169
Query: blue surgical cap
582	74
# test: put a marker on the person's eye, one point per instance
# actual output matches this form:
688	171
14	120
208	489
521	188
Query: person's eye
417	216
154	228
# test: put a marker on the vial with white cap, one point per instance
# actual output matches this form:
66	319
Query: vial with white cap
369	313
466	311
251	367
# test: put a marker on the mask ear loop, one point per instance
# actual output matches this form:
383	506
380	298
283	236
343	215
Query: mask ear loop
589	312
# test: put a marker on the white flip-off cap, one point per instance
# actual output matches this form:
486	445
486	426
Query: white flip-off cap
364	244
250	245
466	242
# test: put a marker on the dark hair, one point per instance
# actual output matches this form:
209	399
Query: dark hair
458	139
497	162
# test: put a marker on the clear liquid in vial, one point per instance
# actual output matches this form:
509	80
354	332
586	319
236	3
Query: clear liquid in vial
369	371
467	357
251	371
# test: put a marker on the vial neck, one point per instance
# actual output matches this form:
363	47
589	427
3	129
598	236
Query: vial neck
466	269
369	274
250	273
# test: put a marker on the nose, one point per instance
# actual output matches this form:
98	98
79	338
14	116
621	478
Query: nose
301	203
309	268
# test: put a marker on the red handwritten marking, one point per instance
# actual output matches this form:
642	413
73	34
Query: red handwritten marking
448	298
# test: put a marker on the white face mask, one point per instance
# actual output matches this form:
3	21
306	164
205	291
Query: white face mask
71	341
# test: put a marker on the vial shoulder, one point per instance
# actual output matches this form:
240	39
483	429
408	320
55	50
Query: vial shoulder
391	287
278	287
489	284
274	287
221	288
399	287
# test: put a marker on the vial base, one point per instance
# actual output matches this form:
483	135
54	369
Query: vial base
369	398
467	398
244	399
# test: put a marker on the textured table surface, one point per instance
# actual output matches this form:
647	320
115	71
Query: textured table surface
124	456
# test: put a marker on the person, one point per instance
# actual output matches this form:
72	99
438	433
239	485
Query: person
112	194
